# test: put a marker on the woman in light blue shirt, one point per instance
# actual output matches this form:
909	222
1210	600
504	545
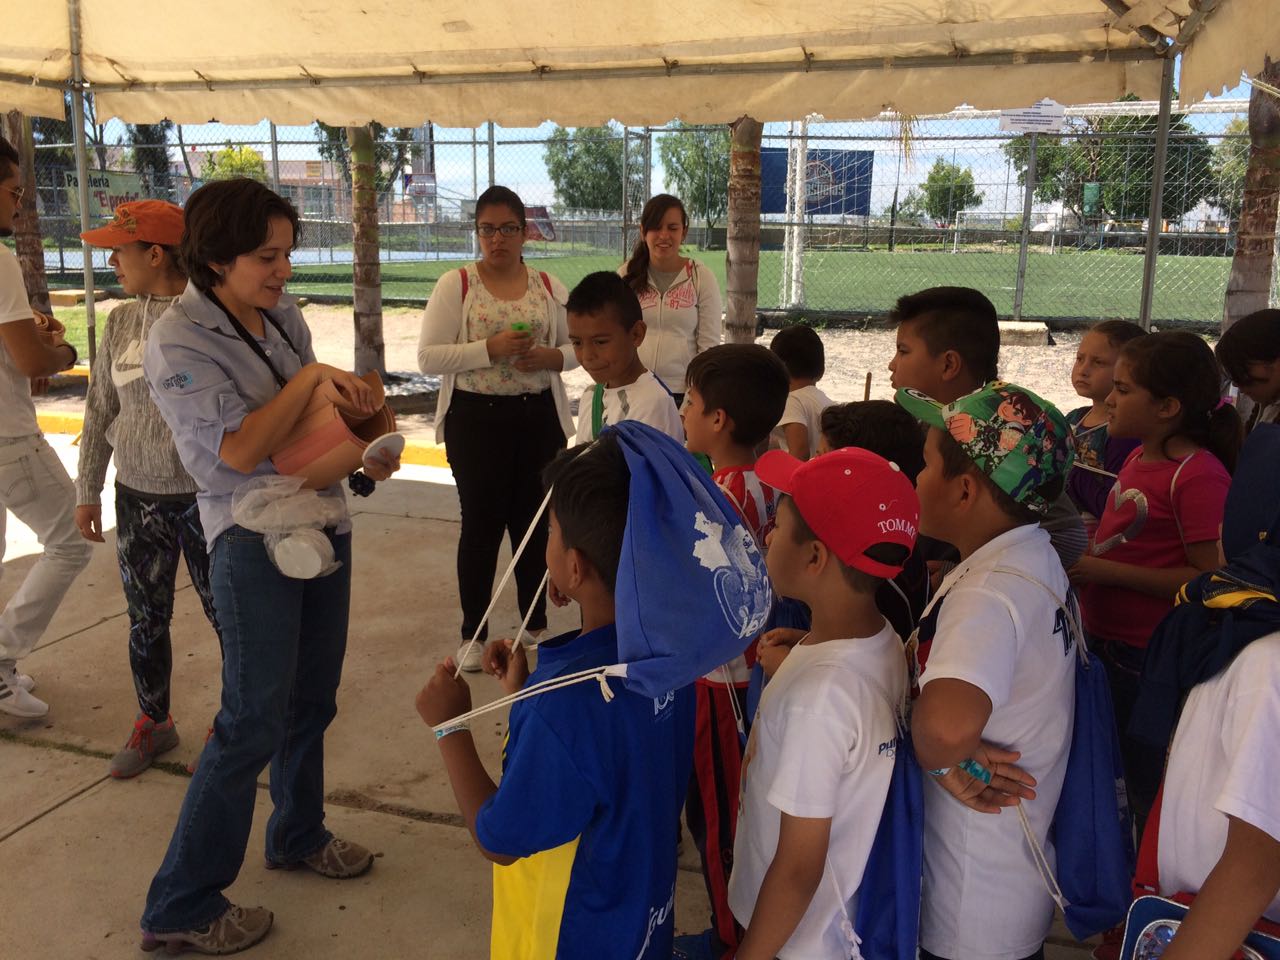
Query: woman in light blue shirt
231	367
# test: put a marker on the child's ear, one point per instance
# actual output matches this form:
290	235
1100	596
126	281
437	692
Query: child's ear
638	332
952	364
722	422
580	569
819	556
1169	408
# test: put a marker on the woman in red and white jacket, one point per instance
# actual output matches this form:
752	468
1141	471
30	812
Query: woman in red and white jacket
680	296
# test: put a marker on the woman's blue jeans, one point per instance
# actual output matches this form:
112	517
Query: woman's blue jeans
283	644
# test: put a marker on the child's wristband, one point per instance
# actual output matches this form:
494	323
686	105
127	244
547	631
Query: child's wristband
976	770
442	732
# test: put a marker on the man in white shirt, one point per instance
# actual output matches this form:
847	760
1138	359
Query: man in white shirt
34	485
995	663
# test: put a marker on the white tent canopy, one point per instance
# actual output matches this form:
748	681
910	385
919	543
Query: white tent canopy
458	63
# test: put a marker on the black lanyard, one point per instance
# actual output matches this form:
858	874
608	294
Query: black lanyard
252	341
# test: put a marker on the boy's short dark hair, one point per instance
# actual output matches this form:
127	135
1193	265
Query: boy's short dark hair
956	462
604	292
1251	339
746	381
225	219
800	349
9	159
890	553
1118	332
590	490
955	318
880	426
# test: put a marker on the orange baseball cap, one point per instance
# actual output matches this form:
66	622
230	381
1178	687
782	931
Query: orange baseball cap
140	221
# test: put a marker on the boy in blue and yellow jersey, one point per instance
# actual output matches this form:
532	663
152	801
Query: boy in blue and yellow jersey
583	825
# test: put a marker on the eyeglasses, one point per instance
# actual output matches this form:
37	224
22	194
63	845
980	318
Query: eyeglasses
507	229
18	193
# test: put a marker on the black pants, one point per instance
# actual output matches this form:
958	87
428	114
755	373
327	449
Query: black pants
150	535
497	448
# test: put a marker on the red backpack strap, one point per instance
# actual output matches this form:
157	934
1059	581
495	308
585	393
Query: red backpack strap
1146	876
546	282
465	283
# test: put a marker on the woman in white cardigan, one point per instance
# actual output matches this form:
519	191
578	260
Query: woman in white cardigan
495	333
680	297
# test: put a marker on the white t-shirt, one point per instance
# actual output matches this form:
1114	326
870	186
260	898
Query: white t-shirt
804	406
822	746
646	400
982	898
1222	764
17	411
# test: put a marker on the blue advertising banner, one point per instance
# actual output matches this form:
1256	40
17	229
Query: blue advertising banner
836	181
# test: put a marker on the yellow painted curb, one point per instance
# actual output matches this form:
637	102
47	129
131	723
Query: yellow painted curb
419	454
424	455
71	423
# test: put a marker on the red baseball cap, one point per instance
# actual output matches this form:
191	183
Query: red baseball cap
139	221
852	499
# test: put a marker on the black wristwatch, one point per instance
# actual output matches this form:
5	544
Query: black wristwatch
75	355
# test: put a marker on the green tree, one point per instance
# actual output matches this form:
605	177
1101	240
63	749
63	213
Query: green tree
233	161
697	164
1230	161
586	167
1118	152
150	156
912	208
392	149
948	189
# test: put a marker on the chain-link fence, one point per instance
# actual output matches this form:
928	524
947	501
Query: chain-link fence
854	214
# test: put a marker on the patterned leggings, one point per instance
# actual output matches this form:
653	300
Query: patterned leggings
149	536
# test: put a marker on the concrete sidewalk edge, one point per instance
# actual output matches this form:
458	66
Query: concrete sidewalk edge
418	454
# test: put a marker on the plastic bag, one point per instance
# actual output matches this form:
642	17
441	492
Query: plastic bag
292	521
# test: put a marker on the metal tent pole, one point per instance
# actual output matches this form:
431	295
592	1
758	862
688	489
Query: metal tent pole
1020	283
1157	195
492	159
82	172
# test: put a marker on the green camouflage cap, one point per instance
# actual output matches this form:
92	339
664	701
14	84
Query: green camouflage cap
1023	443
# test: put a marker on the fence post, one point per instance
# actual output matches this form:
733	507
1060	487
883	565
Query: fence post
1020	283
492	159
82	175
626	204
1157	195
275	160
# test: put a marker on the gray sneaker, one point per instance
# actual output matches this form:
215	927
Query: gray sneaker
237	929
148	740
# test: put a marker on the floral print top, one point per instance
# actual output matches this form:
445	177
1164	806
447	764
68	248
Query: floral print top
489	315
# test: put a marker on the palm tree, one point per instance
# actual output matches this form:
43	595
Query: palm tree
1249	286
366	268
742	245
28	244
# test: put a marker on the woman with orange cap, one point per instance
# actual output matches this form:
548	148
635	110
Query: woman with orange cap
157	519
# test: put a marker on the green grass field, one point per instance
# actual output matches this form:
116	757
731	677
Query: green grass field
1064	284
1092	284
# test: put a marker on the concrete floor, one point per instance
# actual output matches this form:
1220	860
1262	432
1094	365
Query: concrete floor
79	849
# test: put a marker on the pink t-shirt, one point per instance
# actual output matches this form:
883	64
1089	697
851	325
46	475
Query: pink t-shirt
1140	526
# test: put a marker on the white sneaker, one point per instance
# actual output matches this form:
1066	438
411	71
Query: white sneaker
15	698
470	660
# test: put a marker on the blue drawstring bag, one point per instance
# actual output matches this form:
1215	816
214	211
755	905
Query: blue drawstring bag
1091	830
887	917
1091	826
